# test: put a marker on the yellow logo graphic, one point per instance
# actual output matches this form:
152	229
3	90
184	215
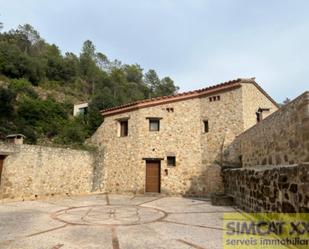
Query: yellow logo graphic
265	230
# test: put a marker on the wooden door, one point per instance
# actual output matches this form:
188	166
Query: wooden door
1	165
153	176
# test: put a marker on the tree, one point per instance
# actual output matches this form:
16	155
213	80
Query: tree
88	66
166	87
102	61
100	101
286	101
88	49
46	117
152	80
32	35
27	61
73	132
134	73
70	66
55	63
7	99
13	63
1	26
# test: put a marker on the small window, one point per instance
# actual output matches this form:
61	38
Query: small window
214	98
124	128
171	161
258	116
154	124
206	126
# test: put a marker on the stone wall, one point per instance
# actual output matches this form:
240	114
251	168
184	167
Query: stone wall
198	154
281	138
124	164
34	171
275	158
270	188
252	101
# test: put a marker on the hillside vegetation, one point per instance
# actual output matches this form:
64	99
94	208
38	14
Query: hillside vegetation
39	85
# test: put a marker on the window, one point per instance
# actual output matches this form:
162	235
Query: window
214	98
258	116
206	126
171	161
154	124
123	128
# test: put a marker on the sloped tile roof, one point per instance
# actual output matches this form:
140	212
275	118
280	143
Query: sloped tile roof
182	96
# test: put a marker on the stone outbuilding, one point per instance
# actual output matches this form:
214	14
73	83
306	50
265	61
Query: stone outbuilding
80	109
174	144
15	138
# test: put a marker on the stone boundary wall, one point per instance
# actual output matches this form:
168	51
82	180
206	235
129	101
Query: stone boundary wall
269	188
282	138
31	171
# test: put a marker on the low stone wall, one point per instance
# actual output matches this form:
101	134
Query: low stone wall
269	188
34	171
280	139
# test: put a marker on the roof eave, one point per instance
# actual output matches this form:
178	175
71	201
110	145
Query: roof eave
169	100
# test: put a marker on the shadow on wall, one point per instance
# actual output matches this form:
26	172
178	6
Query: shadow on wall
282	138
210	179
206	183
275	155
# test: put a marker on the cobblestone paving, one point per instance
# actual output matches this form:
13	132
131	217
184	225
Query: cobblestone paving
111	221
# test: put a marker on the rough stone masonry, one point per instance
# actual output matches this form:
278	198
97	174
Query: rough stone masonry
274	152
31	172
275	156
229	109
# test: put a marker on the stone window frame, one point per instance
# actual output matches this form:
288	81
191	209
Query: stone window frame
154	119
171	161
205	126
120	132
259	114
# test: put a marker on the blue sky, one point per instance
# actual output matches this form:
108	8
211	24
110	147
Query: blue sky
196	42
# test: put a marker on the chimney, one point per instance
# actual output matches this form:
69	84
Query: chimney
15	138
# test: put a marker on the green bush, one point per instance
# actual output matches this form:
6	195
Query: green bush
46	117
7	100
22	86
74	132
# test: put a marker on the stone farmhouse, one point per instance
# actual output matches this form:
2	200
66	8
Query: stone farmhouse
230	141
174	144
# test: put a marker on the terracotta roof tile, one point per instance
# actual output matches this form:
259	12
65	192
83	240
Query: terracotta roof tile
181	96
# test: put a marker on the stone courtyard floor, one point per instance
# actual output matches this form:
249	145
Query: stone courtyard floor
111	221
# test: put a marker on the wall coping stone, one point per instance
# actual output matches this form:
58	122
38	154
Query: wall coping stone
268	167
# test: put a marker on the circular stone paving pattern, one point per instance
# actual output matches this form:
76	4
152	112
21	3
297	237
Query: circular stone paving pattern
108	215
